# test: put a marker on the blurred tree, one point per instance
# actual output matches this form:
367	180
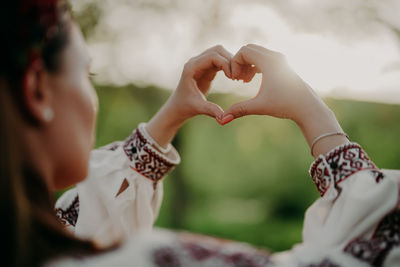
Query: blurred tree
88	18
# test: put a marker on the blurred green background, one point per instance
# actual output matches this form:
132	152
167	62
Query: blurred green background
248	180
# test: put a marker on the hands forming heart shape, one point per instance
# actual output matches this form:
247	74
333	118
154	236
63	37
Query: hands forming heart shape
282	93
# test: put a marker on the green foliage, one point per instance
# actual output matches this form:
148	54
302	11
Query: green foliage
88	18
248	180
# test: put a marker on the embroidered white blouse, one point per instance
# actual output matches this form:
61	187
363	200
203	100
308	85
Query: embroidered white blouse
356	222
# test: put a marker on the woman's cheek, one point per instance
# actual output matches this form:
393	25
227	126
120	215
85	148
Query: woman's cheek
91	110
78	115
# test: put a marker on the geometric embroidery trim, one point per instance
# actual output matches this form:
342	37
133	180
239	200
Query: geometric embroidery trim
385	238
112	147
339	164
69	216
147	161
324	263
192	254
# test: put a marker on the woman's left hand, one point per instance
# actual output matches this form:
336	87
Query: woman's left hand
189	99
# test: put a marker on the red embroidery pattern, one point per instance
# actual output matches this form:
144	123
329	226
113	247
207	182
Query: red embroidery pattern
147	161
166	257
375	249
112	147
70	215
195	255
191	254
324	263
340	164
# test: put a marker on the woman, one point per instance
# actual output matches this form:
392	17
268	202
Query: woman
48	111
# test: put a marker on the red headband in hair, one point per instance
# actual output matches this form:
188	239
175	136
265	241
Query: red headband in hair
37	22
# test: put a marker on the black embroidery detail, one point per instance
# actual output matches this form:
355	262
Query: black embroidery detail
166	257
378	175
112	146
148	162
199	253
69	216
340	164
334	165
189	254
244	260
324	263
385	238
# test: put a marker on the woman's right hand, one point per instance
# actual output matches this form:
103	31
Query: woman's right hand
282	94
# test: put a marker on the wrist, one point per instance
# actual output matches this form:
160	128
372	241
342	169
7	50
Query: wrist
315	114
317	121
312	108
172	113
179	109
165	124
320	125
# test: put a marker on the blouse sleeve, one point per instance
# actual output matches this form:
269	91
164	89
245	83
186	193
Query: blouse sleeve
357	217
123	192
356	222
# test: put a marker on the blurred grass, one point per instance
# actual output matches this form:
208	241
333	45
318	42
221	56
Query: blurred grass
248	180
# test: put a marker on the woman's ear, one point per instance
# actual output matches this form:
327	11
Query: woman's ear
37	93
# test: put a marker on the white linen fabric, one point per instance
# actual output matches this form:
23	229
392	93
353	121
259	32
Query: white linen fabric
356	222
107	215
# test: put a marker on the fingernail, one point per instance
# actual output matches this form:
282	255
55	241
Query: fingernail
227	118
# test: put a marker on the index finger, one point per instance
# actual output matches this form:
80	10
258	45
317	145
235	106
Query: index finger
212	60
220	50
247	56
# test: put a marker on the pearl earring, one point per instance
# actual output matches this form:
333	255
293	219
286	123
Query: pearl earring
48	114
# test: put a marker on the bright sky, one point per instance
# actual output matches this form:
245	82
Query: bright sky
342	48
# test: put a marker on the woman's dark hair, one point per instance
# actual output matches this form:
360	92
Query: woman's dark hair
31	234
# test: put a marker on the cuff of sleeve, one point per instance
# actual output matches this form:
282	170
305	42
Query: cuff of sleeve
147	160
339	164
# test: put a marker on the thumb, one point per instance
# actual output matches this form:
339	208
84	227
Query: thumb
238	110
212	110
